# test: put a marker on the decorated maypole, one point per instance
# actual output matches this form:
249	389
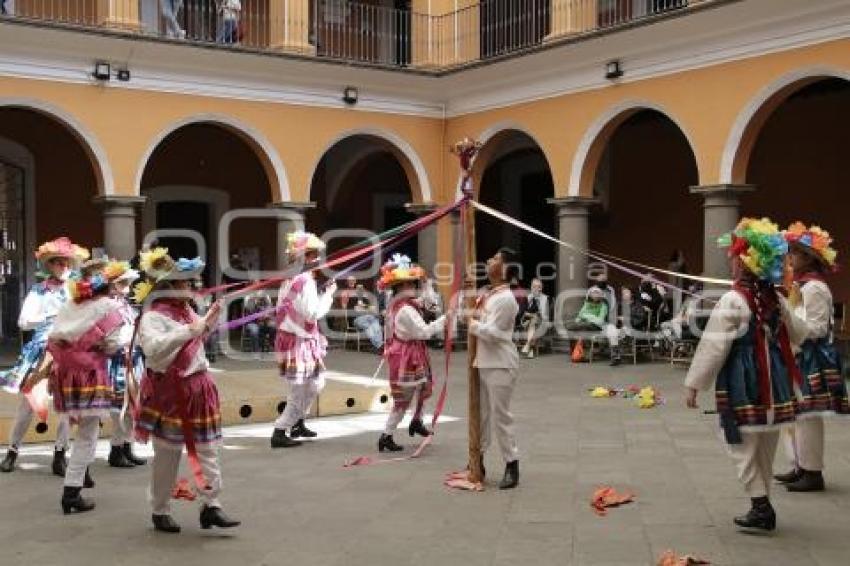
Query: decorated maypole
466	150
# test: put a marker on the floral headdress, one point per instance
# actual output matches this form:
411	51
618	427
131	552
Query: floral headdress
760	246
158	266
299	242
398	270
120	271
815	240
61	247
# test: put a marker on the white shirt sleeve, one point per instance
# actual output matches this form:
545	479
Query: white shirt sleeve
729	320
32	312
409	325
309	304
812	319
499	317
161	338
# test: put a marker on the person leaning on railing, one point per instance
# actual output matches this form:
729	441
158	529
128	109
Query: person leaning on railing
229	12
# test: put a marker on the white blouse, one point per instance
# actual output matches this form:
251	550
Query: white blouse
812	319
39	307
162	337
409	325
308	304
495	330
75	319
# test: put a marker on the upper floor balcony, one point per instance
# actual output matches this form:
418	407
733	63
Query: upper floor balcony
426	36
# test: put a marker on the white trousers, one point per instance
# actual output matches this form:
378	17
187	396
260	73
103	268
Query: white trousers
397	413
23	420
82	451
754	460
166	465
121	428
804	444
299	401
497	388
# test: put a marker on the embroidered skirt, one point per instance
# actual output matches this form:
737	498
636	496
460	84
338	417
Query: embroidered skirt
299	358
161	414
823	390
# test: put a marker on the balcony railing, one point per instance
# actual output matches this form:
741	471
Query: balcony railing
365	32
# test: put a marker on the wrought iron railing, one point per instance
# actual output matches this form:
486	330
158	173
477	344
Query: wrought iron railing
370	33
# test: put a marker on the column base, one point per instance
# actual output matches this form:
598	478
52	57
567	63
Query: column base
302	48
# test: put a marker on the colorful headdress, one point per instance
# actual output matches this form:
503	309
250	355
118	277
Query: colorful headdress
814	240
120	271
158	266
299	242
760	246
61	247
398	270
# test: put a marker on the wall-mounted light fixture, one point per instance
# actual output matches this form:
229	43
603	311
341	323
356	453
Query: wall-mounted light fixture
613	70
101	72
349	95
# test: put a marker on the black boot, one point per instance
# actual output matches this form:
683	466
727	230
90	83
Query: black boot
117	458
215	517
72	501
8	463
761	516
386	442
511	478
808	481
128	453
88	482
165	524
299	430
790	477
280	440
418	427
59	463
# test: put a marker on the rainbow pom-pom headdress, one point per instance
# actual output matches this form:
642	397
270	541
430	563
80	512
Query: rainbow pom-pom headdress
398	270
814	240
760	246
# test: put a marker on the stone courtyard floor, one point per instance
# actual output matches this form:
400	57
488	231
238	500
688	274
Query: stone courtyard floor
300	506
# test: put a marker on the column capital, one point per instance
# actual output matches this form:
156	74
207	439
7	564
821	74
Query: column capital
420	208
570	206
297	206
724	190
119	200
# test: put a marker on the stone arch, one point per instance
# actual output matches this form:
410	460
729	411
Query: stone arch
750	121
88	141
597	136
262	147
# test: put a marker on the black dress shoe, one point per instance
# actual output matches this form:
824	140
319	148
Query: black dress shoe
165	524
59	463
299	430
215	517
791	476
418	427
280	440
760	517
128	453
73	502
511	478
117	458
8	463
88	482
808	481
386	442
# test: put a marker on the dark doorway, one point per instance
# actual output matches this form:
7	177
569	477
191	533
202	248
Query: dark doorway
396	216
185	215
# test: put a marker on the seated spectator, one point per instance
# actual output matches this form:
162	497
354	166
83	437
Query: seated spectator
7	7
593	315
361	314
170	9
680	326
535	319
261	331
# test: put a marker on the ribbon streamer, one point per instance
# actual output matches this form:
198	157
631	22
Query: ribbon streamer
604	258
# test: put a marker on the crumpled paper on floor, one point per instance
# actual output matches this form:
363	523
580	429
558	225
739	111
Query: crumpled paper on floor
183	490
460	480
670	558
606	497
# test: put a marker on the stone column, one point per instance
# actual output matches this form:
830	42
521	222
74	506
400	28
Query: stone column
427	238
722	210
572	223
119	224
291	218
289	26
119	14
